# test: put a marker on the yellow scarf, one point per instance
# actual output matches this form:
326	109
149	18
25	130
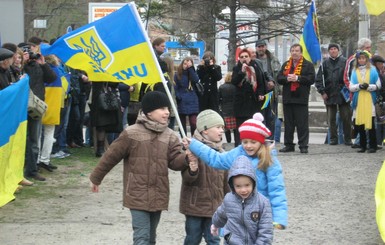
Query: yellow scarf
364	103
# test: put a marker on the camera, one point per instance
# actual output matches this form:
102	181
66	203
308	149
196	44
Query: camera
207	61
34	56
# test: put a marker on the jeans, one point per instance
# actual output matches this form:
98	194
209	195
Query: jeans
32	148
45	151
125	120
277	131
61	130
144	225
196	227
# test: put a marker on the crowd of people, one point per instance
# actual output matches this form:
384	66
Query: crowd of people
214	182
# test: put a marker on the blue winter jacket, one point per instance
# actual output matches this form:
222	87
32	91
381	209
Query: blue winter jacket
245	221
186	97
270	183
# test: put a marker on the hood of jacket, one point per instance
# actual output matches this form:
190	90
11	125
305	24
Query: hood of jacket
242	166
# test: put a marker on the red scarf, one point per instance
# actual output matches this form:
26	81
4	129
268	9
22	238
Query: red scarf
297	71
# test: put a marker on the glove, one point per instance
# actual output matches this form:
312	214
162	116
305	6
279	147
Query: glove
364	86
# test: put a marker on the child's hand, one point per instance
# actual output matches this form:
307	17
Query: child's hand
193	166
214	230
186	142
191	156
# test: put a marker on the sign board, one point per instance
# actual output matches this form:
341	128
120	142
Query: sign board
99	10
178	51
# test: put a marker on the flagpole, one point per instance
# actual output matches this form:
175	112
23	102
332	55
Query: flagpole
164	82
319	41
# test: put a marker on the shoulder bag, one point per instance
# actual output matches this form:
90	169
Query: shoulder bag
108	100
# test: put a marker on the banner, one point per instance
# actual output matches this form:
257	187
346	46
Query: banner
310	37
13	133
380	201
267	100
375	7
115	49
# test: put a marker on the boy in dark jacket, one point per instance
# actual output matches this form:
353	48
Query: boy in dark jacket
245	214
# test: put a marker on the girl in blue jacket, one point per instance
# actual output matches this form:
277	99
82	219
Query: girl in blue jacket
268	169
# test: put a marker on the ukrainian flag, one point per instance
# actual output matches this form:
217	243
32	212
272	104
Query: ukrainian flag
13	124
115	48
380	201
54	98
375	7
309	39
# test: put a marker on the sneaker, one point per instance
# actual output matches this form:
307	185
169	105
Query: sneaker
60	155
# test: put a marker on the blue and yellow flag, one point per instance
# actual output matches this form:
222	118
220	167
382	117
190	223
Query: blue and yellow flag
380	201
310	37
54	98
13	124
115	48
267	100
375	7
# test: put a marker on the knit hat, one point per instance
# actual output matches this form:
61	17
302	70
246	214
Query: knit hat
154	100
254	129
5	54
207	119
333	45
377	58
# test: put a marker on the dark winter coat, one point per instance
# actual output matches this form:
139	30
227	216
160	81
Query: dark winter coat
246	100
186	97
110	121
38	75
5	78
226	99
148	150
203	192
209	77
124	94
305	79
332	80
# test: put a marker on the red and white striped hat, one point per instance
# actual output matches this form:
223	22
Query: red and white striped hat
254	129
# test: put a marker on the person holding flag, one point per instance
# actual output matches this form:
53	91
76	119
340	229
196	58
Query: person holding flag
250	82
296	76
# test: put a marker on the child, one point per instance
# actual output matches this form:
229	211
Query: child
245	214
364	83
268	169
203	190
226	103
148	149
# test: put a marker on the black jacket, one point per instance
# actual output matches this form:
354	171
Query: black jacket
333	77
38	75
246	100
305	79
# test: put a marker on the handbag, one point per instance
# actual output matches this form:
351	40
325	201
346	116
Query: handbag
345	94
36	106
107	100
198	88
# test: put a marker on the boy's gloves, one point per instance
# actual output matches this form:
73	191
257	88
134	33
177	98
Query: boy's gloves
364	86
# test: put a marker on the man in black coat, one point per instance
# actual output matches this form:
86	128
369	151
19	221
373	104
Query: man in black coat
6	60
329	83
296	76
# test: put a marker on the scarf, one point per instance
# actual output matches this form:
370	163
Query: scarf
251	77
363	113
297	71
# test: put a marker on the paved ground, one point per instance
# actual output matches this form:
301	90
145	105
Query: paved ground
330	196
